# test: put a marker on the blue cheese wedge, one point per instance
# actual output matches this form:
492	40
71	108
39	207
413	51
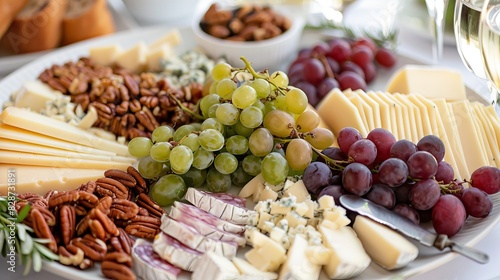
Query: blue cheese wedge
386	247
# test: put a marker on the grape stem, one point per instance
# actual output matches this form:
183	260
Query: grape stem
184	108
328	69
256	75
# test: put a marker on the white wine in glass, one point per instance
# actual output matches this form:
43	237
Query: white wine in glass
466	24
489	36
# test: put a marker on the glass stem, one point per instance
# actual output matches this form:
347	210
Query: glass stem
436	10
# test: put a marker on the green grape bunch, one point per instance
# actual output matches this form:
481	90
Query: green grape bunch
250	123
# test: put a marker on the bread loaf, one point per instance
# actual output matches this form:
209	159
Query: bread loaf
8	11
86	19
36	28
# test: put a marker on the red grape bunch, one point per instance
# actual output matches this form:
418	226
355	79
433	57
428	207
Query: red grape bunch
339	63
410	179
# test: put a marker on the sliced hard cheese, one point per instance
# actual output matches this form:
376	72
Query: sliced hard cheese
468	135
348	258
25	136
55	161
396	115
105	55
215	267
386	247
482	137
424	115
385	112
34	95
489	132
338	112
11	145
373	105
297	265
38	123
415	126
451	131
357	101
41	179
415	79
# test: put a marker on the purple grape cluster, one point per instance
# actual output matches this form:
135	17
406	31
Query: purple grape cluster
410	179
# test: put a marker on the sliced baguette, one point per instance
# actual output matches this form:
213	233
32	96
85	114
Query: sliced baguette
36	28
8	11
86	19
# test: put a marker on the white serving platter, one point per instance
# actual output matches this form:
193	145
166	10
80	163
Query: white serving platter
429	258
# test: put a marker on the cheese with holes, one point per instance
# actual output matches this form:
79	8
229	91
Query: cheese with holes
348	258
386	247
415	79
34	95
338	112
105	55
41	124
41	179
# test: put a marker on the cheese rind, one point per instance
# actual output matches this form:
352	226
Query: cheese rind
386	247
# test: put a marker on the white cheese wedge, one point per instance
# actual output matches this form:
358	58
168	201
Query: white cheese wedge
219	208
338	112
297	265
251	187
89	119
133	59
41	124
172	38
148	265
14	157
267	254
297	189
215	267
386	247
415	79
248	271
206	228
41	179
156	55
171	250
190	237
105	55
34	95
348	258
24	136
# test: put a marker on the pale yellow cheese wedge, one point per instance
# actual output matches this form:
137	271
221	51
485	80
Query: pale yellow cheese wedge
386	114
38	123
398	120
413	125
105	55
133	59
373	105
34	95
415	79
489	131
41	179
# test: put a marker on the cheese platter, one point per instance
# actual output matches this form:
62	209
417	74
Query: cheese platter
474	229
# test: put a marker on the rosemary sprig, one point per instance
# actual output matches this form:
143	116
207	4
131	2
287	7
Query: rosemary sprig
30	250
382	39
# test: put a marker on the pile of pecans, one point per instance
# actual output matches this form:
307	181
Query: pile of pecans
95	222
127	104
246	23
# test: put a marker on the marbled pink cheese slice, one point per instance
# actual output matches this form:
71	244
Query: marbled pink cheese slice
175	252
149	265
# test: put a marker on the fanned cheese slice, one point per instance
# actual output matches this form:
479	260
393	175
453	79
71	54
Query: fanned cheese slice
374	105
386	116
489	131
414	123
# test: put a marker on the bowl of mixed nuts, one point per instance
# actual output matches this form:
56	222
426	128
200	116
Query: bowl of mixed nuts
264	36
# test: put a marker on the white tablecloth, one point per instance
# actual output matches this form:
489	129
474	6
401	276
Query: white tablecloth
459	268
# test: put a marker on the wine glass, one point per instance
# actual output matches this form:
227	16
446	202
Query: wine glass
489	42
436	10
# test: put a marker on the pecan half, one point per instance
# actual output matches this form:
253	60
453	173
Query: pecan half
144	201
93	248
119	257
80	210
71	255
89	187
46	213
122	243
82	226
141	185
146	227
72	196
146	118
118	271
123	209
106	227
111	187
67	218
105	204
42	230
121	176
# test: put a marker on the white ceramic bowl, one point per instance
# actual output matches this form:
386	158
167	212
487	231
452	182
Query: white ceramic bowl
160	11
272	53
